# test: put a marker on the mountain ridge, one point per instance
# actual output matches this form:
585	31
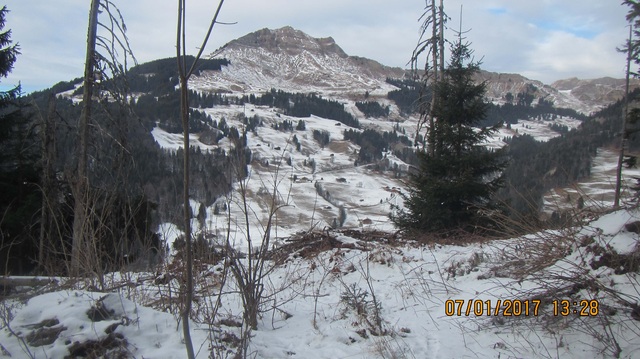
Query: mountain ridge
289	59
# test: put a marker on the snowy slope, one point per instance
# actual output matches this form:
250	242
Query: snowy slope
314	295
365	194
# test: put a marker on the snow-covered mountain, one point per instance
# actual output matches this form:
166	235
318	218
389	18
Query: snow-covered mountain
595	91
291	60
585	96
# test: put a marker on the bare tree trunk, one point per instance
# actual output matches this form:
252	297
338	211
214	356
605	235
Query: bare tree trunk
184	74
441	16
81	182
188	296
625	115
434	60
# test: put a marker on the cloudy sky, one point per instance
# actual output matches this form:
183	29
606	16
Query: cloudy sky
544	40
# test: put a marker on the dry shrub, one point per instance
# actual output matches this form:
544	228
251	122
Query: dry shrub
454	237
531	254
608	257
113	346
308	245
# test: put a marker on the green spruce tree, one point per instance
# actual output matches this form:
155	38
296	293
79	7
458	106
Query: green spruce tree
19	177
8	54
457	177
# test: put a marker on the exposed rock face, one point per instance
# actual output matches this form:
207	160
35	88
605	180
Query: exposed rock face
499	84
291	60
585	96
289	41
595	91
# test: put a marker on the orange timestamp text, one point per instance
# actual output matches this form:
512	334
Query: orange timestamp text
517	307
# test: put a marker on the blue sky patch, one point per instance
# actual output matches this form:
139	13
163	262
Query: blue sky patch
579	31
498	10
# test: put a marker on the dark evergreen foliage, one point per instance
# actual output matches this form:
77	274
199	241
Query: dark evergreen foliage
322	137
20	197
133	180
307	105
284	126
516	108
456	181
160	76
301	126
252	123
304	105
63	86
372	109
407	95
536	167
8	50
373	143
509	113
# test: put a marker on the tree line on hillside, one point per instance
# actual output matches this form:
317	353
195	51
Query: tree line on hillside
373	143
536	167
292	104
511	113
407	95
373	109
457	184
154	78
515	108
163	106
132	179
303	105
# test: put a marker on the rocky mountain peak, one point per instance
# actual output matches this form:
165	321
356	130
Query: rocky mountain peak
288	40
290	60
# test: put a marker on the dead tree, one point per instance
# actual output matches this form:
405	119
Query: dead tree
433	19
49	201
100	66
81	181
184	73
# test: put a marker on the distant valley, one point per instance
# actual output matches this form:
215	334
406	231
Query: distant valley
270	77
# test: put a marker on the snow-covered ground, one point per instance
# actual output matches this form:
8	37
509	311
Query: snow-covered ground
368	297
365	194
360	292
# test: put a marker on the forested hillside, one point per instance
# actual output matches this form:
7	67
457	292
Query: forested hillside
535	167
128	164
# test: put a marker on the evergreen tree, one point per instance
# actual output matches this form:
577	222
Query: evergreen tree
8	55
19	177
459	175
